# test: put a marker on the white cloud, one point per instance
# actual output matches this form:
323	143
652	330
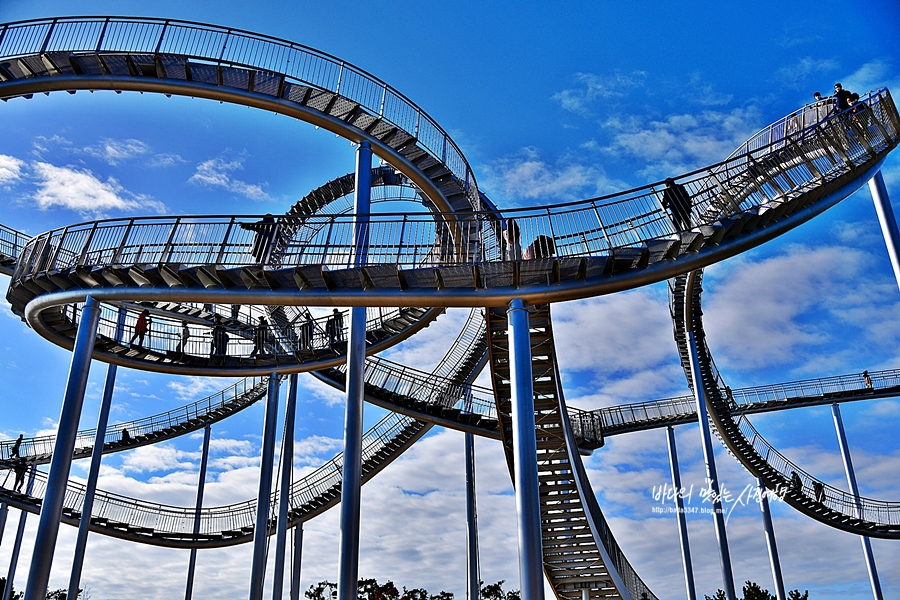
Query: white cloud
871	76
595	88
217	172
527	176
797	75
10	169
117	151
83	192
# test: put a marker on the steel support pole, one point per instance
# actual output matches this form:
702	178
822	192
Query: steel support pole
887	221
17	544
295	561
770	539
528	502
348	559
711	475
679	511
58	477
284	492
854	489
267	457
4	512
90	487
201	484
472	564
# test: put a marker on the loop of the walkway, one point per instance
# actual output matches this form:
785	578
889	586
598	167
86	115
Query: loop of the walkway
811	496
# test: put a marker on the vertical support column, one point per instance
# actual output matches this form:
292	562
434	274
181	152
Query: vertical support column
17	544
770	539
887	221
4	512
267	457
284	493
51	508
679	511
854	489
90	488
473	574
711	475
348	560
201	484
528	502
295	561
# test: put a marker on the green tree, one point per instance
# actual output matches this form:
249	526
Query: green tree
753	591
495	591
796	595
370	589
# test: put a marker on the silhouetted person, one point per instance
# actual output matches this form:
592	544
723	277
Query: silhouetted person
14	451
219	341
335	327
183	340
260	336
126	437
306	332
20	468
512	243
262	241
235	312
868	380
678	201
841	98
542	247
141	327
819	491
796	484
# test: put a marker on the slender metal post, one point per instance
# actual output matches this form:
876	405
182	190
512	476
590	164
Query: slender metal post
295	561
711	475
528	504
51	508
348	560
201	484
585	594
473	571
87	506
854	489
267	457
770	539
284	493
887	221
679	511
4	512
17	544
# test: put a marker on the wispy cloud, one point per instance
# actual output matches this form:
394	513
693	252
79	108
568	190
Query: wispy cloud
80	190
595	88
798	74
526	175
10	169
217	172
117	151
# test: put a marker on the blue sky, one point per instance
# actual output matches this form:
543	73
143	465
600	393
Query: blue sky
549	103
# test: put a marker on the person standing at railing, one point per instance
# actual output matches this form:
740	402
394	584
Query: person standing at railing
335	327
14	451
264	235
841	98
141	328
260	336
543	246
20	468
219	346
182	343
306	332
868	380
512	242
678	201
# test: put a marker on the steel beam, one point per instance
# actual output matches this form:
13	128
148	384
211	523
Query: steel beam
770	539
90	488
201	484
473	575
886	218
348	559
267	457
528	501
58	477
711	475
17	544
854	489
295	561
284	490
679	511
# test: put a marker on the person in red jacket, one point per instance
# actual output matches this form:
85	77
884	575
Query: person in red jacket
141	327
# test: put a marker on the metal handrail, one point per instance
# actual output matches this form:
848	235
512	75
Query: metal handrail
232	398
229	47
584	229
11	242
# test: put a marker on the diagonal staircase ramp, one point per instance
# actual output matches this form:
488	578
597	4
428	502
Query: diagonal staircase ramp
580	552
829	505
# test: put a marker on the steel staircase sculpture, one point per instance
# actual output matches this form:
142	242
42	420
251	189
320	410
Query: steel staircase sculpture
580	551
825	503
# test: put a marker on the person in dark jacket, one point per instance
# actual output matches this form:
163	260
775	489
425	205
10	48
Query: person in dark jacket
841	98
678	201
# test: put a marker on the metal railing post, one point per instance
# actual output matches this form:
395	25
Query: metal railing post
854	489
58	477
770	539
284	492
90	488
263	497
296	560
348	559
17	544
528	502
473	581
679	511
201	484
